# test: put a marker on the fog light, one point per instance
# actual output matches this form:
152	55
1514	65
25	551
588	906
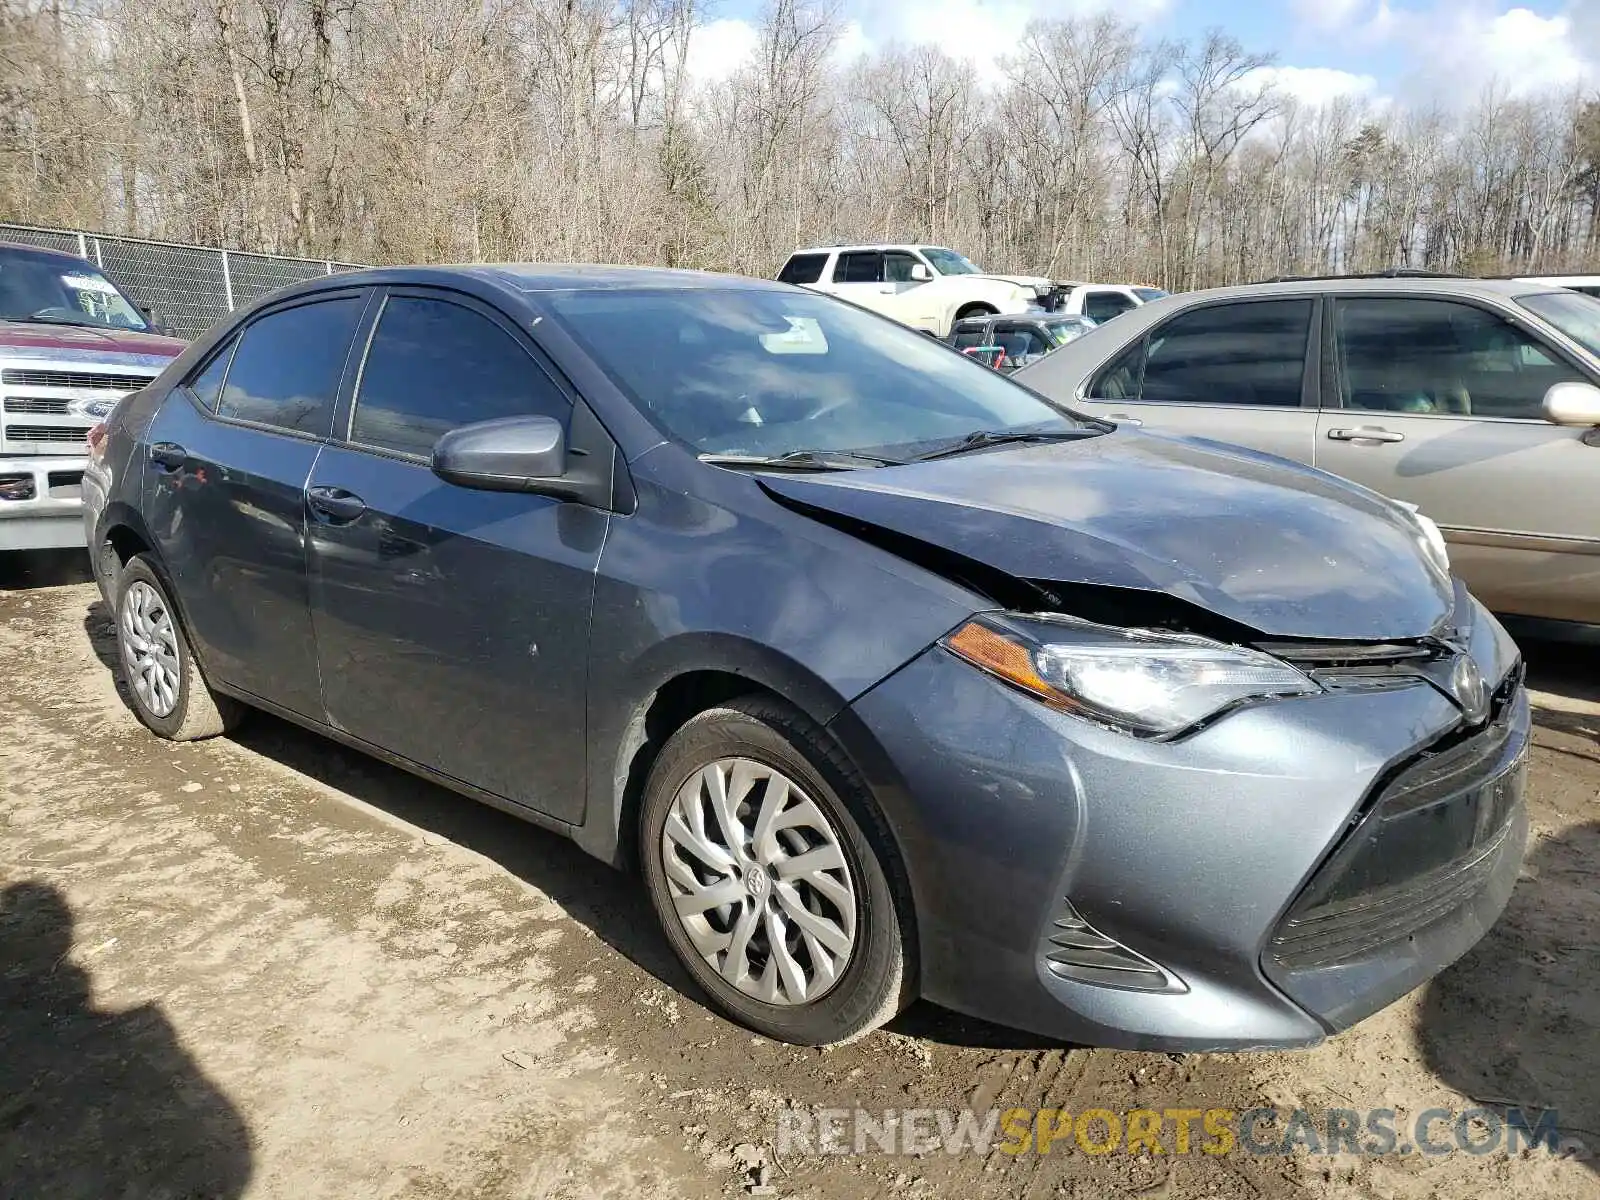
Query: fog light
16	487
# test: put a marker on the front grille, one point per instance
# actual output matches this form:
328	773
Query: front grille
58	434
1076	950
75	379
1427	844
48	407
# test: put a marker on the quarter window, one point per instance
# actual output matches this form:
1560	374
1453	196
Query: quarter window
434	366
286	370
1406	355
207	384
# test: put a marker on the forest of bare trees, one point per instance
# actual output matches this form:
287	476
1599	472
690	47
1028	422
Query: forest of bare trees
429	130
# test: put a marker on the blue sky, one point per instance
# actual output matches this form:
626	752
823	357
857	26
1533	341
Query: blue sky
1447	50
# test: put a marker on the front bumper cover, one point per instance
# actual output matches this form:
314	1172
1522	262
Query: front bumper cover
1189	853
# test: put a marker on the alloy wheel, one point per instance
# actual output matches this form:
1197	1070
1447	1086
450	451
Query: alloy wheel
150	648
760	882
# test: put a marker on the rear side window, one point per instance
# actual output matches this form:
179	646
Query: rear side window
287	367
1251	353
803	268
207	383
859	266
965	339
434	366
1102	306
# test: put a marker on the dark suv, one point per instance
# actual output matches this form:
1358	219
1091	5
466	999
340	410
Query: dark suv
893	678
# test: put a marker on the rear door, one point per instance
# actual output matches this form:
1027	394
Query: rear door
452	624
1242	371
858	278
1438	402
229	455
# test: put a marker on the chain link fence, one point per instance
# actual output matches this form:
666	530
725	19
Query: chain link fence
187	287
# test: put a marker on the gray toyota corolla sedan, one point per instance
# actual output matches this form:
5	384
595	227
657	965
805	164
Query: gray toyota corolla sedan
890	678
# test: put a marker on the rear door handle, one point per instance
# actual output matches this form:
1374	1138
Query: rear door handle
1366	433
334	505
169	456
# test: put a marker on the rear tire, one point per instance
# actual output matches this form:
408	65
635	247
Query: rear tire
974	310
168	693
756	832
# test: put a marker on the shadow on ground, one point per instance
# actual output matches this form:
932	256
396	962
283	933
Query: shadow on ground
23	570
98	1104
1516	1023
611	903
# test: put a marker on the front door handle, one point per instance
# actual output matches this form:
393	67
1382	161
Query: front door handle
334	505
169	456
1366	433
1126	419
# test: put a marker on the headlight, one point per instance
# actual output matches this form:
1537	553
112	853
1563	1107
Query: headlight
1139	681
1433	544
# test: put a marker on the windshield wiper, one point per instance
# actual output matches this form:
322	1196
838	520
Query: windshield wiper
980	439
56	321
805	460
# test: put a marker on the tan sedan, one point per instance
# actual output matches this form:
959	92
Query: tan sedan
1474	400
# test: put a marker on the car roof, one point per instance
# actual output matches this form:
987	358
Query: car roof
44	252
1449	285
1559	280
548	277
871	246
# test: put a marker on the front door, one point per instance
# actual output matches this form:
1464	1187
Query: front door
230	453
452	624
1439	404
1241	372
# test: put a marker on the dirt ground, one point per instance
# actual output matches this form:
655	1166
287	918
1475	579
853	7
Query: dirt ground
266	966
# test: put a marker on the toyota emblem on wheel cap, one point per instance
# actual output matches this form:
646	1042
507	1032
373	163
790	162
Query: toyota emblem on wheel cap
1466	682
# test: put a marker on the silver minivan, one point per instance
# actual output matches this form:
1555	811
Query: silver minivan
1474	400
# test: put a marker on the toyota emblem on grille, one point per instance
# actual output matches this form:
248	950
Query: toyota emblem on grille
1466	683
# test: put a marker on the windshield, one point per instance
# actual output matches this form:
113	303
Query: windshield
66	291
948	262
1573	313
747	372
1062	332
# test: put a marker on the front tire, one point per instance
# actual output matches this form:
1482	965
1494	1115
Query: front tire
169	695
765	861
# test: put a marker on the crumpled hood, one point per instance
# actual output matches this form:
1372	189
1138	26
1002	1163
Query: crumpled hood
77	343
1283	549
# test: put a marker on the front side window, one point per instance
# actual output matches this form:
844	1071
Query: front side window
803	268
741	371
288	364
897	266
434	366
1064	331
859	266
1021	341
51	289
1102	306
1406	355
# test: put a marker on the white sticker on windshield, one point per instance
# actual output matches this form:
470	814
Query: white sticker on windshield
88	283
804	336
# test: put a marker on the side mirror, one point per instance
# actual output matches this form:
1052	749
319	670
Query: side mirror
512	454
1572	404
920	273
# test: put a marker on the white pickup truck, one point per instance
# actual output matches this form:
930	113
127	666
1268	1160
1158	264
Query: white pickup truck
71	346
931	287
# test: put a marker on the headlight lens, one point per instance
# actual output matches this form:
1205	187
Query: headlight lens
1139	681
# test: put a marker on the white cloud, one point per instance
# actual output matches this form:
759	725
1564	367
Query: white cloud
719	48
1452	49
1317	85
